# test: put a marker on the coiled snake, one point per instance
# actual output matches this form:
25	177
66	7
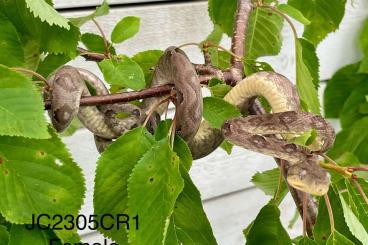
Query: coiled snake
267	134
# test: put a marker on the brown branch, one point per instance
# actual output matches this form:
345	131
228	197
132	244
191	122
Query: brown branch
238	40
121	97
91	56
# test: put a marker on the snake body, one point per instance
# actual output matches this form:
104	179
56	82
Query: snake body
267	134
287	121
69	84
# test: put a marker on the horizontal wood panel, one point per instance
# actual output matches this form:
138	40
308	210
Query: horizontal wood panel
165	25
62	4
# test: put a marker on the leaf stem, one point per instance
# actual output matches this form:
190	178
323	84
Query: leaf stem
305	213
285	17
279	184
342	170
330	213
360	190
106	43
24	70
327	158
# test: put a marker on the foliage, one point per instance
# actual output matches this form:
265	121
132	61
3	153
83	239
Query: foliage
147	174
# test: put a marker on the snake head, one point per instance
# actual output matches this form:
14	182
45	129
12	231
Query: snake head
309	177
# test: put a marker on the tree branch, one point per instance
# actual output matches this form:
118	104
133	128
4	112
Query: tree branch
238	40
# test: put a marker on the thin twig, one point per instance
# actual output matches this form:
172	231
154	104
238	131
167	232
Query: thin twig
327	158
153	108
330	213
357	168
279	185
341	170
91	56
305	213
284	16
106	43
360	190
24	70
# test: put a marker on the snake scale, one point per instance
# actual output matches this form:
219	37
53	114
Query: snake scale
268	134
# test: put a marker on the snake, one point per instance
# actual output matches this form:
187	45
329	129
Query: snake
68	85
269	134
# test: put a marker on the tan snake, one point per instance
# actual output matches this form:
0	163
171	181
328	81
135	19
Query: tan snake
266	134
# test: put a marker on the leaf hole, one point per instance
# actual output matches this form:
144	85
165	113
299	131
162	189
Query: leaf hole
151	179
41	153
54	200
172	189
58	162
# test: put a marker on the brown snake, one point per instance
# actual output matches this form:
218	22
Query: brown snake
267	134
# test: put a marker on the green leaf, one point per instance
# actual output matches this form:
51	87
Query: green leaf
294	13
359	202
100	11
339	88
267	228
180	146
263	34
306	241
147	60
227	146
350	111
351	140
153	187
113	169
215	36
124	72
189	223
219	58
21	106
32	55
311	61
19	235
12	53
325	17
252	66
95	43
222	13
52	62
47	13
363	38
52	39
125	29
218	88
353	222
322	230
216	111
38	177
304	80
306	139
363	68
4	235
182	150
338	239
268	181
